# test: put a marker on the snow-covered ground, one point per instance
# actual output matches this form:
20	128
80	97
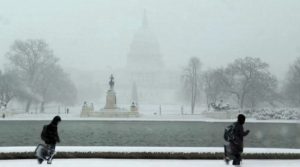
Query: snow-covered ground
146	163
147	113
142	118
146	149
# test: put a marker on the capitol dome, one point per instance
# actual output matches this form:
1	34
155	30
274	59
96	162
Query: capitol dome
144	52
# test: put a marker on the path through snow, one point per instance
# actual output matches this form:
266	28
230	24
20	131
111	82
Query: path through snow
146	163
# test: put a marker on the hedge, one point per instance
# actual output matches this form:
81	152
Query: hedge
150	155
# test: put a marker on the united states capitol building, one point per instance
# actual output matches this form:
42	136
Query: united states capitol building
144	79
146	71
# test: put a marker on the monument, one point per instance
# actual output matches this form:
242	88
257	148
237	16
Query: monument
110	109
111	99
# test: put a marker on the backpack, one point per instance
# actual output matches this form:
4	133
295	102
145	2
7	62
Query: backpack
44	133
229	133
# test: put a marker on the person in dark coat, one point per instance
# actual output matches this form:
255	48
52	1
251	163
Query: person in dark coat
237	144
50	136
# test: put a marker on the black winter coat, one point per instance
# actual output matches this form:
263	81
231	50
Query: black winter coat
51	136
238	143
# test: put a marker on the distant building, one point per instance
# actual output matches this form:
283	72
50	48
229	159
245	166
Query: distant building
144	52
146	70
144	79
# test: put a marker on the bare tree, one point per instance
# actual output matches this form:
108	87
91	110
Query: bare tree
262	89
292	86
249	79
54	85
213	87
191	78
10	87
7	88
67	91
29	58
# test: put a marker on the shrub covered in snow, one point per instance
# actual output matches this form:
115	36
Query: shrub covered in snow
268	113
150	155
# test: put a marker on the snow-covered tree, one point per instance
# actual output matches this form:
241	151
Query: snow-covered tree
29	58
54	85
192	81
292	86
7	91
38	68
10	87
213	87
249	80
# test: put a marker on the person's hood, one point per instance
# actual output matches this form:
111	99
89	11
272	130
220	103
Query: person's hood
55	120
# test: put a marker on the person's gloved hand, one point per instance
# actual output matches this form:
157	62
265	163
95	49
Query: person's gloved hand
247	131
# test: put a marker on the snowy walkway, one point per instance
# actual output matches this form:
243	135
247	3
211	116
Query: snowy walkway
146	149
146	163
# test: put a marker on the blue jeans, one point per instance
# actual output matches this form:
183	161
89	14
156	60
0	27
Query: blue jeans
51	149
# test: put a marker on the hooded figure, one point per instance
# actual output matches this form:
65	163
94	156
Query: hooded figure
237	144
50	136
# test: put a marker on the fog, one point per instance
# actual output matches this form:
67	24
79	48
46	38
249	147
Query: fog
93	35
95	38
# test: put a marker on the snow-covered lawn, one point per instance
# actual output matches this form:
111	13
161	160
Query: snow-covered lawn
147	113
199	117
146	149
146	163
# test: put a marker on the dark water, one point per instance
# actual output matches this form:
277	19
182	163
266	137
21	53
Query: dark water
149	133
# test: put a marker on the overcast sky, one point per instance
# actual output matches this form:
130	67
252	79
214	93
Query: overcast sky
96	34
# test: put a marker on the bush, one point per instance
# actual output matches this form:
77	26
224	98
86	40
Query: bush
278	114
151	155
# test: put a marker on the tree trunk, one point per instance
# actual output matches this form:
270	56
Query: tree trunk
193	99
241	104
42	109
28	104
242	100
193	106
253	104
207	102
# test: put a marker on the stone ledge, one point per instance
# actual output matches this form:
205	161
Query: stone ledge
150	155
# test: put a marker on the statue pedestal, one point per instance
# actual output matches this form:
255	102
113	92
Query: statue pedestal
111	100
110	109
